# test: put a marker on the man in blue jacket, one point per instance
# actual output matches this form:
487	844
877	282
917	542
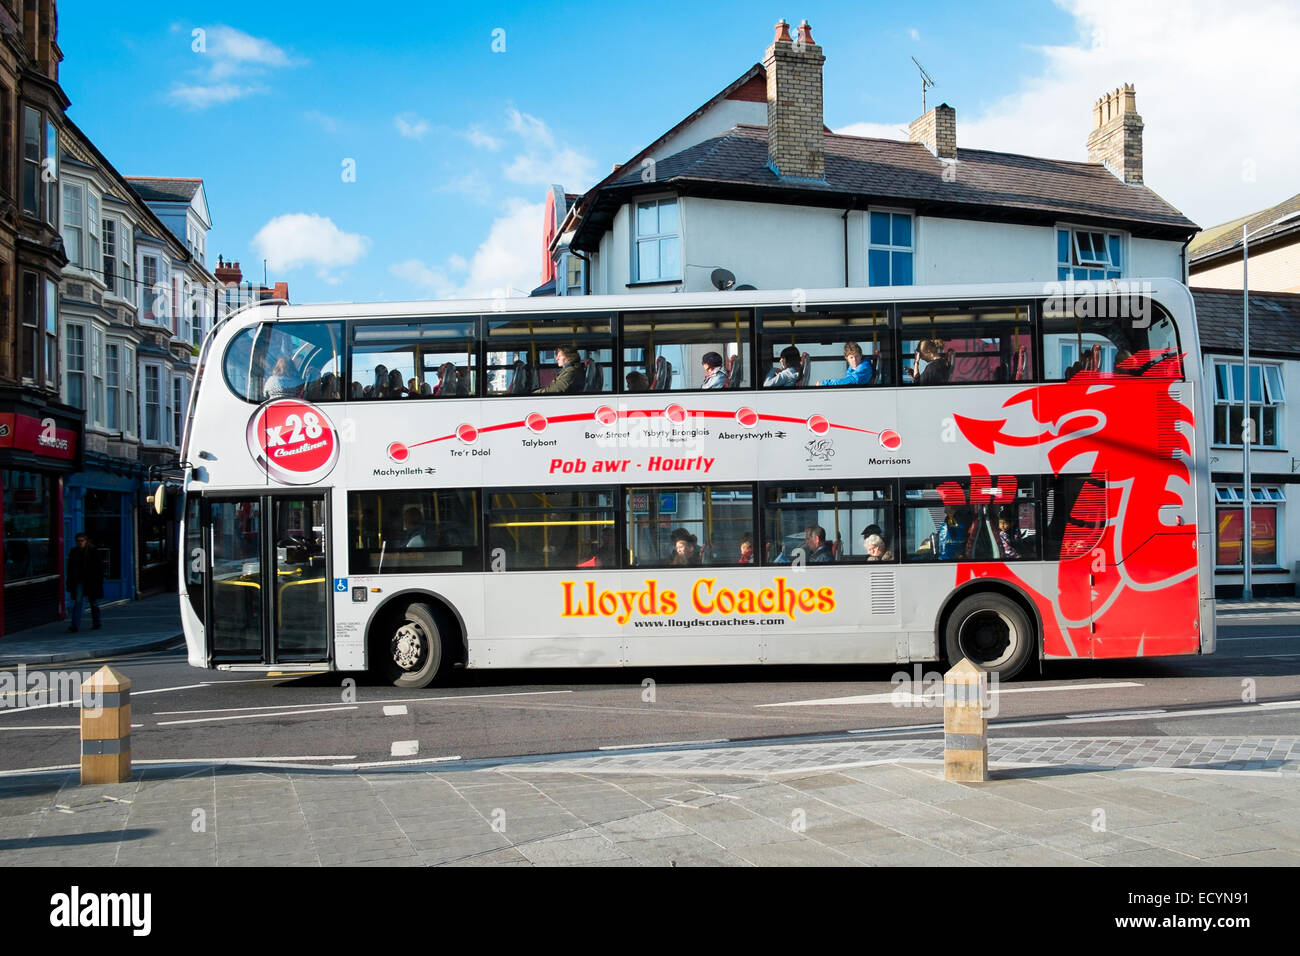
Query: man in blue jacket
860	369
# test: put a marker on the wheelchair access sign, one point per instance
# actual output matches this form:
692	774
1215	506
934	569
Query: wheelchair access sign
340	585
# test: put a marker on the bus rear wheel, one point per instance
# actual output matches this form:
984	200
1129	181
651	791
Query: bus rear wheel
411	647
990	630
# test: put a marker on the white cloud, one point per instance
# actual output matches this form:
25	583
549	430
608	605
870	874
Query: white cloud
227	57
471	185
481	139
326	122
914	33
411	125
1215	86
533	131
543	161
505	263
299	239
233	51
200	97
875	130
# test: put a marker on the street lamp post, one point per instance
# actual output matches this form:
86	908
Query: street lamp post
1248	423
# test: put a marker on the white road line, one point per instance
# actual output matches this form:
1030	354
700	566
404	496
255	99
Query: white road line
901	696
395	763
665	743
1118	713
1262	637
1251	657
54	727
1237	709
183	760
405	748
394	710
231	710
282	713
386	703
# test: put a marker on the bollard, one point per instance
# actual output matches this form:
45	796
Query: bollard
965	740
106	727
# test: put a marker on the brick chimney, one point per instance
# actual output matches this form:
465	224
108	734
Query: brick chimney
1116	137
936	131
227	273
795	144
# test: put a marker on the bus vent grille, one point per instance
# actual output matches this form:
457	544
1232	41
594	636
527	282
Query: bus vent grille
1171	439
884	592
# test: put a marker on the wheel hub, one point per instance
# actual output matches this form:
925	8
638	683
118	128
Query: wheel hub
987	638
409	645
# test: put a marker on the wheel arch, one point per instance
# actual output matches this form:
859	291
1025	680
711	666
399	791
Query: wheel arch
987	586
443	609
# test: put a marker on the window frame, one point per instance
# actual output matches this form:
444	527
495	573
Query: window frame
634	273
1074	261
1232	401
890	248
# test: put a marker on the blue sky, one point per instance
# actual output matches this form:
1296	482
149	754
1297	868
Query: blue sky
454	144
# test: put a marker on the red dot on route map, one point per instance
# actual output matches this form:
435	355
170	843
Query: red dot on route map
535	422
606	415
747	417
398	452
675	414
818	425
467	433
890	439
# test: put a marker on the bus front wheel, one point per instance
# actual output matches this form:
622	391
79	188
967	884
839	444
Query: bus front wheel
991	630
411	647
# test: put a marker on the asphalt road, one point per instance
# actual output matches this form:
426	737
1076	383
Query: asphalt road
1251	686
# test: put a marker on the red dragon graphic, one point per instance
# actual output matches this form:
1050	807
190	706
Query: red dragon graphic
1126	581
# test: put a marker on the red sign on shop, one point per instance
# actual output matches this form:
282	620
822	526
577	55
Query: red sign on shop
295	442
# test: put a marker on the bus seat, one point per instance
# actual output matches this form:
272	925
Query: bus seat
735	368
662	376
594	379
447	380
462	383
518	379
805	371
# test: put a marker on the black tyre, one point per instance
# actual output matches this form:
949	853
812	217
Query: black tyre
411	648
993	631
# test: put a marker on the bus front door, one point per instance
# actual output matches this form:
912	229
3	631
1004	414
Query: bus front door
268	596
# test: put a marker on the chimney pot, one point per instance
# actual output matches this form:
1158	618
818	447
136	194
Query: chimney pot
1116	137
796	143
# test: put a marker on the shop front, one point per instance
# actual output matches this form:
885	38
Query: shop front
100	502
40	447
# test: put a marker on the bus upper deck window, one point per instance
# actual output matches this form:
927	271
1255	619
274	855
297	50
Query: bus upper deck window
286	360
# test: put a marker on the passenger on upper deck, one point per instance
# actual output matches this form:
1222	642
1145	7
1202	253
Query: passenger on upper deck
283	382
714	375
860	370
787	376
569	380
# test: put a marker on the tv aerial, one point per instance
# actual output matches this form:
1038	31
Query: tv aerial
926	81
722	279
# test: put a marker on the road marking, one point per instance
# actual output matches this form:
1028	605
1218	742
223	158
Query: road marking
665	743
394	710
183	760
1163	715
395	763
55	727
407	700
1250	657
405	748
1262	637
901	696
1117	713
282	713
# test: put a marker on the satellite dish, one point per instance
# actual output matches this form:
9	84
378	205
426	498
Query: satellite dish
745	288
159	498
722	279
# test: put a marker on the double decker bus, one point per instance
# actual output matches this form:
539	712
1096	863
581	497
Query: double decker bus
996	472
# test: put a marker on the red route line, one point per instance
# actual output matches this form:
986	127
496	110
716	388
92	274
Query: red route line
649	413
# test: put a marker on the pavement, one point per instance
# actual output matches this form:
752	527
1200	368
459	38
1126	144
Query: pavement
128	628
1160	801
1099	801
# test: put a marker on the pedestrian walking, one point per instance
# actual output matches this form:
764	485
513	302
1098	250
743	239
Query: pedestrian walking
85	580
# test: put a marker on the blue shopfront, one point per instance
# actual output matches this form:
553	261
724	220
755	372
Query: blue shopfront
101	501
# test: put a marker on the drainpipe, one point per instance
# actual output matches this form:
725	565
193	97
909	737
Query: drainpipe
586	272
845	218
